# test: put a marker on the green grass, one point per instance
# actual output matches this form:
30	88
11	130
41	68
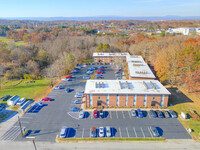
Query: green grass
88	61
10	41
27	90
184	102
109	139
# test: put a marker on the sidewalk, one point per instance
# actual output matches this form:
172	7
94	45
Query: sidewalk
4	126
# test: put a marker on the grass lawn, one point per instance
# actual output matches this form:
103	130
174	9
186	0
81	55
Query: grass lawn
88	61
10	41
183	101
23	89
109	139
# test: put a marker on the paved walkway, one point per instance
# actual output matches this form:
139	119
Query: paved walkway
170	145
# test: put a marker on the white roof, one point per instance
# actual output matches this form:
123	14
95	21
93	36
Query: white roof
140	70
149	87
134	58
110	54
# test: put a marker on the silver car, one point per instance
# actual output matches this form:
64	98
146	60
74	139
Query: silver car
63	132
108	131
81	114
133	113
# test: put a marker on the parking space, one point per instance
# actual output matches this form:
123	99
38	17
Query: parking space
47	122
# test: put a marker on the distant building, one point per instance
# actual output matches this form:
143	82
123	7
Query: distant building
125	93
13	100
183	30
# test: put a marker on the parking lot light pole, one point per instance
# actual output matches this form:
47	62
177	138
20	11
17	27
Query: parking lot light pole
20	126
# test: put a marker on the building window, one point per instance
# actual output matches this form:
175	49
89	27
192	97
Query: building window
153	103
145	100
99	103
90	99
126	100
99	97
107	100
154	98
162	100
95	59
103	59
117	100
134	100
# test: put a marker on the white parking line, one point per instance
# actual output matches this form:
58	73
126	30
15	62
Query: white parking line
110	115
91	115
134	131
127	132
150	131
116	114
149	115
142	132
129	114
82	132
123	114
26	118
90	132
120	133
24	121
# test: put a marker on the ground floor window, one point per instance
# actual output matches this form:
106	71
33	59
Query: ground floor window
153	103
99	103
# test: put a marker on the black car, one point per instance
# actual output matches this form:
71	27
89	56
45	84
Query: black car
160	114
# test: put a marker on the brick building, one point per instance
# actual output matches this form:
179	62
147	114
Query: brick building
110	57
124	93
137	68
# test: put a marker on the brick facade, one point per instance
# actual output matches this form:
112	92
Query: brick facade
153	101
109	59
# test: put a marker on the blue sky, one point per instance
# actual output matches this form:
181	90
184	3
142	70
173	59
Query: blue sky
82	8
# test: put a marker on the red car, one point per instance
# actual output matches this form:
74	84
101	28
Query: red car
95	113
100	72
46	99
85	63
68	77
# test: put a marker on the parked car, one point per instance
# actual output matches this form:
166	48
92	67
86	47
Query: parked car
75	109
140	114
63	132
77	101
133	113
101	113
166	113
95	113
21	101
74	71
160	114
78	95
101	131
98	75
80	92
153	114
154	131
108	131
68	77
47	99
65	79
172	113
86	77
99	72
93	132
67	90
5	97
57	88
81	114
39	103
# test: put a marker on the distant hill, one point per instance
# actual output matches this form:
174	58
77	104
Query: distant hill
97	18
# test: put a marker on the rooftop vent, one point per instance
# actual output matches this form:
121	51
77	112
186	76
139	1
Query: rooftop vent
134	61
101	85
154	85
137	64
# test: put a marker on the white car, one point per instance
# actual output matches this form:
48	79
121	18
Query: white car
108	131
133	113
81	114
78	95
21	101
101	131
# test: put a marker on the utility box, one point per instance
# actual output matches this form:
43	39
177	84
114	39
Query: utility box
184	115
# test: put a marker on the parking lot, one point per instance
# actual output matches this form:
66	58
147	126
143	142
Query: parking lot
44	123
